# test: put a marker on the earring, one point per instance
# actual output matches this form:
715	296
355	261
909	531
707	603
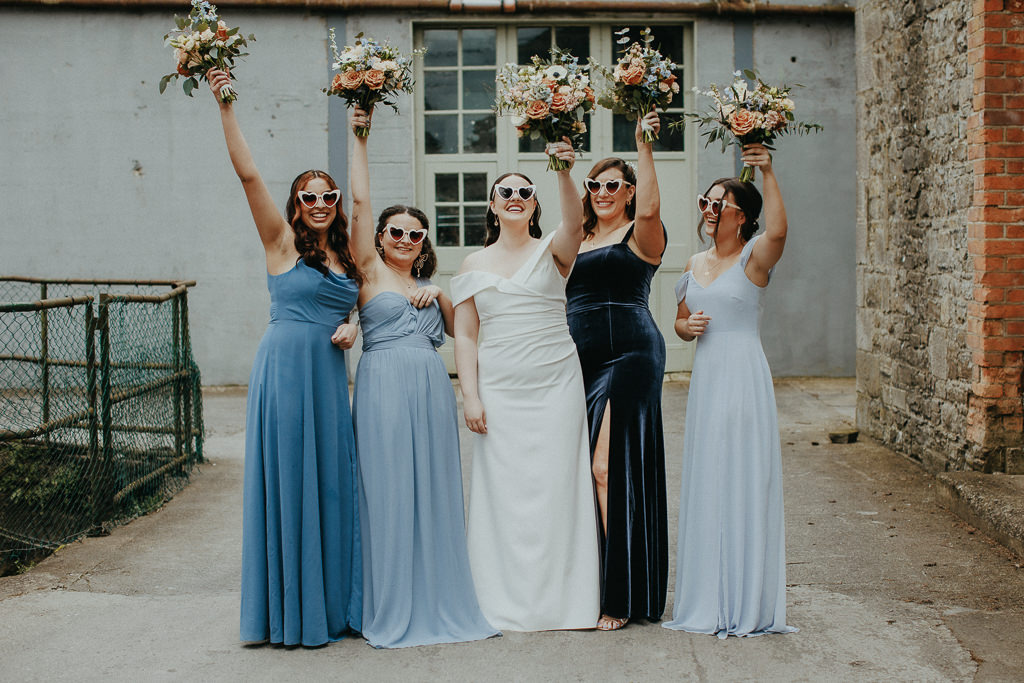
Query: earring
418	264
380	250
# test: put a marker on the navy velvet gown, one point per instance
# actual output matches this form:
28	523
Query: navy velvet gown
623	357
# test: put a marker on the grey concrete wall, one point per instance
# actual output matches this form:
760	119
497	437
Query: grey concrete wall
145	188
914	275
102	176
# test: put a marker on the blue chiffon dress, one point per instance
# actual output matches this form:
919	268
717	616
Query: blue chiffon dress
731	556
417	584
301	567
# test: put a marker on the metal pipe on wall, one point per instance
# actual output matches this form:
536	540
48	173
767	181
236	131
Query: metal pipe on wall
724	7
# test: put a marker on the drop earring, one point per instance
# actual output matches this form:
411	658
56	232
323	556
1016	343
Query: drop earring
418	264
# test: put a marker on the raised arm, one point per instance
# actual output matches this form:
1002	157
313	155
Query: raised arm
566	242
648	232
362	215
768	249
270	224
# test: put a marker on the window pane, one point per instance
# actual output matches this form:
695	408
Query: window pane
528	145
446	187
622	134
478	46
478	89
440	90
474	187
447	224
533	40
670	140
575	39
442	47
441	134
478	132
475	226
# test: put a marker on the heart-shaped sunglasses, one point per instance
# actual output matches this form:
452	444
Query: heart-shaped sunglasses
329	198
610	186
397	232
714	206
525	192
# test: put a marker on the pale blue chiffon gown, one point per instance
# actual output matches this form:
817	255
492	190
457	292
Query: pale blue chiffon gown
417	584
731	555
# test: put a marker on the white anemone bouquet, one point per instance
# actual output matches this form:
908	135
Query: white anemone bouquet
548	99
746	113
202	42
370	73
641	80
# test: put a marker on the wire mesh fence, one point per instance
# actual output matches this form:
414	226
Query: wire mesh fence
100	407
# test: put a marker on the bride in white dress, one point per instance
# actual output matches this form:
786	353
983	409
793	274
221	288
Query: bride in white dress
532	526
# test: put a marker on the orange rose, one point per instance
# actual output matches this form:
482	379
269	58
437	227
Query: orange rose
742	122
336	83
550	82
559	102
538	109
374	78
633	75
589	93
222	31
350	80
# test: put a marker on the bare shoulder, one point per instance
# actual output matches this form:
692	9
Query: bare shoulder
689	263
473	261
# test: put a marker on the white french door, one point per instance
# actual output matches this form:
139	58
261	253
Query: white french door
461	146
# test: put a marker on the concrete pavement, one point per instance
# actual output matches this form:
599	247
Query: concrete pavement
885	584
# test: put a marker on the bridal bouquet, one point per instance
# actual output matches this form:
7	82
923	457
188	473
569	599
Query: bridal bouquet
641	80
370	73
746	113
548	99
202	42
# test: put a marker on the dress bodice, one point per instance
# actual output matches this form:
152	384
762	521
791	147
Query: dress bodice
530	302
732	301
389	320
303	294
611	275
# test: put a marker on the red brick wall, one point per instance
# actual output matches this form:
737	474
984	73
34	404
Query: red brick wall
995	316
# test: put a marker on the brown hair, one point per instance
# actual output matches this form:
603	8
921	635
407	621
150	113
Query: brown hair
426	248
491	220
628	174
747	198
337	231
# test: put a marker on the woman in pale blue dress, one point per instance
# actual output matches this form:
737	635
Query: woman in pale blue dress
731	556
417	585
301	580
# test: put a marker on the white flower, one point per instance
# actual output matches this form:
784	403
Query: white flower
556	72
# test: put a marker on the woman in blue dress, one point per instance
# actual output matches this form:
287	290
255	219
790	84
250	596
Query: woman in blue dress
417	585
731	557
622	353
301	567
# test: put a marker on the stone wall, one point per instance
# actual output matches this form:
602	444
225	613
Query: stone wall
914	273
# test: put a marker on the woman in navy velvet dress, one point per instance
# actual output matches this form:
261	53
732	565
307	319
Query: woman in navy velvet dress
623	357
301	568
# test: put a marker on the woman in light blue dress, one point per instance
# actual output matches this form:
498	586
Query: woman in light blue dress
417	585
301	569
731	556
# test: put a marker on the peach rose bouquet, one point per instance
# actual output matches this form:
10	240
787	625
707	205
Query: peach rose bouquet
370	73
202	42
641	80
745	113
547	98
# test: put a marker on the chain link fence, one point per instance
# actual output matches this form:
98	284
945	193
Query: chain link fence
100	408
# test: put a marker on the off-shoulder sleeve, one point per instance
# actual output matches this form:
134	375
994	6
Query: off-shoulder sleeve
681	287
748	249
467	285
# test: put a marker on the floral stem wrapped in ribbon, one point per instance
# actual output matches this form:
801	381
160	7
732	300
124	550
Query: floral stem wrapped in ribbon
370	73
202	42
548	99
746	113
642	80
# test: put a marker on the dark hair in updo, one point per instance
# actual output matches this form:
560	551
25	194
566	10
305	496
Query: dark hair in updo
494	227
746	196
306	238
628	174
426	248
